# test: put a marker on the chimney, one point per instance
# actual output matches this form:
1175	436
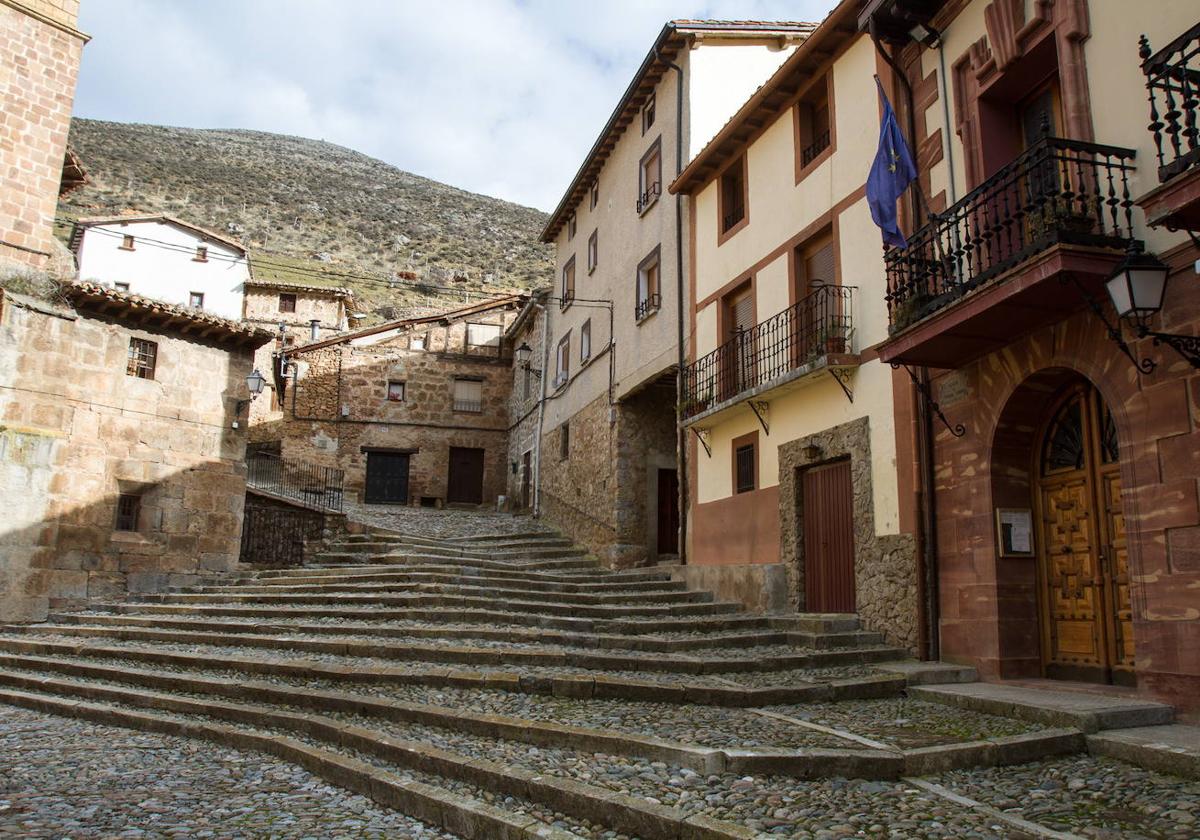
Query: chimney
314	327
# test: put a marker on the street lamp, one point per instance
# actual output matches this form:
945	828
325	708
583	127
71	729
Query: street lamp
524	353
255	382
1137	287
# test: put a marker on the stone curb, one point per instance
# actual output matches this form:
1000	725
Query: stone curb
993	752
1162	758
456	577
602	687
623	813
469	819
1085	720
467	655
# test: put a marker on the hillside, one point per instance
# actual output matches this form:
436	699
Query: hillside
314	212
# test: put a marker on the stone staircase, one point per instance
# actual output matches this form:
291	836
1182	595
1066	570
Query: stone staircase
506	686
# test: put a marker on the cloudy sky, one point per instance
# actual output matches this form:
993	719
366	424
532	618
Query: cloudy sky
501	97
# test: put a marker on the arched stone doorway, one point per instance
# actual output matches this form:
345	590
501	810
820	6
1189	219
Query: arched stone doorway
1064	604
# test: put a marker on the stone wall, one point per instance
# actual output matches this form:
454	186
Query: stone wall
76	431
523	412
885	566
39	54
261	306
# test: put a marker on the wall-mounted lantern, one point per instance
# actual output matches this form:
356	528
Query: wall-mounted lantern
1137	288
524	353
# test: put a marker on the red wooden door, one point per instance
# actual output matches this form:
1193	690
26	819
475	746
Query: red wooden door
466	476
828	539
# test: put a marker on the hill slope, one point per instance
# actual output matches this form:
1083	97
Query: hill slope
307	207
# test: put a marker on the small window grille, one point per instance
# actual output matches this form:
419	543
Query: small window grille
143	356
129	507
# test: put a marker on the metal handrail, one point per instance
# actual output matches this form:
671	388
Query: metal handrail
307	483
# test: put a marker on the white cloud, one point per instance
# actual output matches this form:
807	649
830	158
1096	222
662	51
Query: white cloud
502	97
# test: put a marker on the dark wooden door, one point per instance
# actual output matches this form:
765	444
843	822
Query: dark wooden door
668	512
526	478
465	482
828	539
387	478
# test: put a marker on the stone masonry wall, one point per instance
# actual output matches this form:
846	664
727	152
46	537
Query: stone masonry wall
76	431
885	566
39	63
522	410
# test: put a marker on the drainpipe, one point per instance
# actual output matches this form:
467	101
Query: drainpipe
681	356
925	469
536	466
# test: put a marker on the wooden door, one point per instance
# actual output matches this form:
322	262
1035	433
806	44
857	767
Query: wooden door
465	482
526	478
387	478
668	512
1083	567
828	538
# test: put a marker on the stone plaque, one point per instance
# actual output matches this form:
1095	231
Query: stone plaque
953	388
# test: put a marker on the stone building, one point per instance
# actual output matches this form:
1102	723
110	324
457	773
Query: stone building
526	339
796	499
414	411
608	475
40	49
1063	457
121	465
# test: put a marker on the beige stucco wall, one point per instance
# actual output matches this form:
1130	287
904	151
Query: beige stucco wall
778	211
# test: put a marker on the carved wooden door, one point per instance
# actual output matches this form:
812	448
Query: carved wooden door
1083	565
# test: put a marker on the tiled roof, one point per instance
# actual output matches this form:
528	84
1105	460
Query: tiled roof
83	224
155	314
331	291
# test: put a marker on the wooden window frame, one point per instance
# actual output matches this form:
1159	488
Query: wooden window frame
741	442
290	299
594	195
649	111
142	359
798	145
392	383
201	254
567	290
127	242
593	251
192	300
647	306
121	287
724	233
423	338
572	226
645	187
562	361
585	342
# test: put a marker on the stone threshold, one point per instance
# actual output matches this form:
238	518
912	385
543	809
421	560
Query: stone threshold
1171	748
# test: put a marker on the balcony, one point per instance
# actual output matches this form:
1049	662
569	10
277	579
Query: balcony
647	306
1007	258
806	339
1173	83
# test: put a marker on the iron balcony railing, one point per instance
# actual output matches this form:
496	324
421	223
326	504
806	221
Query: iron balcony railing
732	218
307	483
818	325
647	305
810	152
1173	82
1058	191
649	196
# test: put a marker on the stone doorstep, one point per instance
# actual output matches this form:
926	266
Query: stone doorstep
456	577
1086	712
392	570
624	813
930	673
469	819
601	686
452	654
1172	748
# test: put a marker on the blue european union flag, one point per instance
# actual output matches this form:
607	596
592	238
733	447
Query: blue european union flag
891	173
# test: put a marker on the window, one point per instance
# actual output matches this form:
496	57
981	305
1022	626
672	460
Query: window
585	341
568	284
648	114
594	195
483	335
572	225
648	297
129	509
744	467
127	242
468	395
733	195
142	357
417	342
816	266
563	361
201	253
650	177
121	287
196	300
813	127
287	303
395	391
593	251
564	440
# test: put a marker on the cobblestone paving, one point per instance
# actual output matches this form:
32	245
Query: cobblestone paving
907	724
1094	797
64	778
443	524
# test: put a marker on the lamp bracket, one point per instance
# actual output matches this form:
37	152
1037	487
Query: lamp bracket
527	366
1143	366
1187	346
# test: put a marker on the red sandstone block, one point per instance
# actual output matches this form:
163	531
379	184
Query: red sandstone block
1180	456
1160	411
1171	504
1183	549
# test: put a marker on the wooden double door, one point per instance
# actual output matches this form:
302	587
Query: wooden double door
1083	560
387	478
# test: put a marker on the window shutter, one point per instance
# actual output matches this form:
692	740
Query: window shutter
468	390
820	268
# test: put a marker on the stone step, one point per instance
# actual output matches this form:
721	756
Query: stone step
502	573
1173	749
513	553
847	639
520	537
817	622
457	576
703	662
1083	710
326	559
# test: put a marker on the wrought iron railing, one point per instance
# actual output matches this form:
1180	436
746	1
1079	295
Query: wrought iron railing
568	296
649	196
809	152
469	406
1173	81
1058	191
818	325
732	218
650	303
307	483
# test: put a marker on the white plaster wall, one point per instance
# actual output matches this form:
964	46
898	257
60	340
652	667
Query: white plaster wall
168	274
727	74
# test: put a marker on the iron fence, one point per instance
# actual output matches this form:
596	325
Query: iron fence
308	483
1173	82
818	325
650	303
275	536
1058	191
